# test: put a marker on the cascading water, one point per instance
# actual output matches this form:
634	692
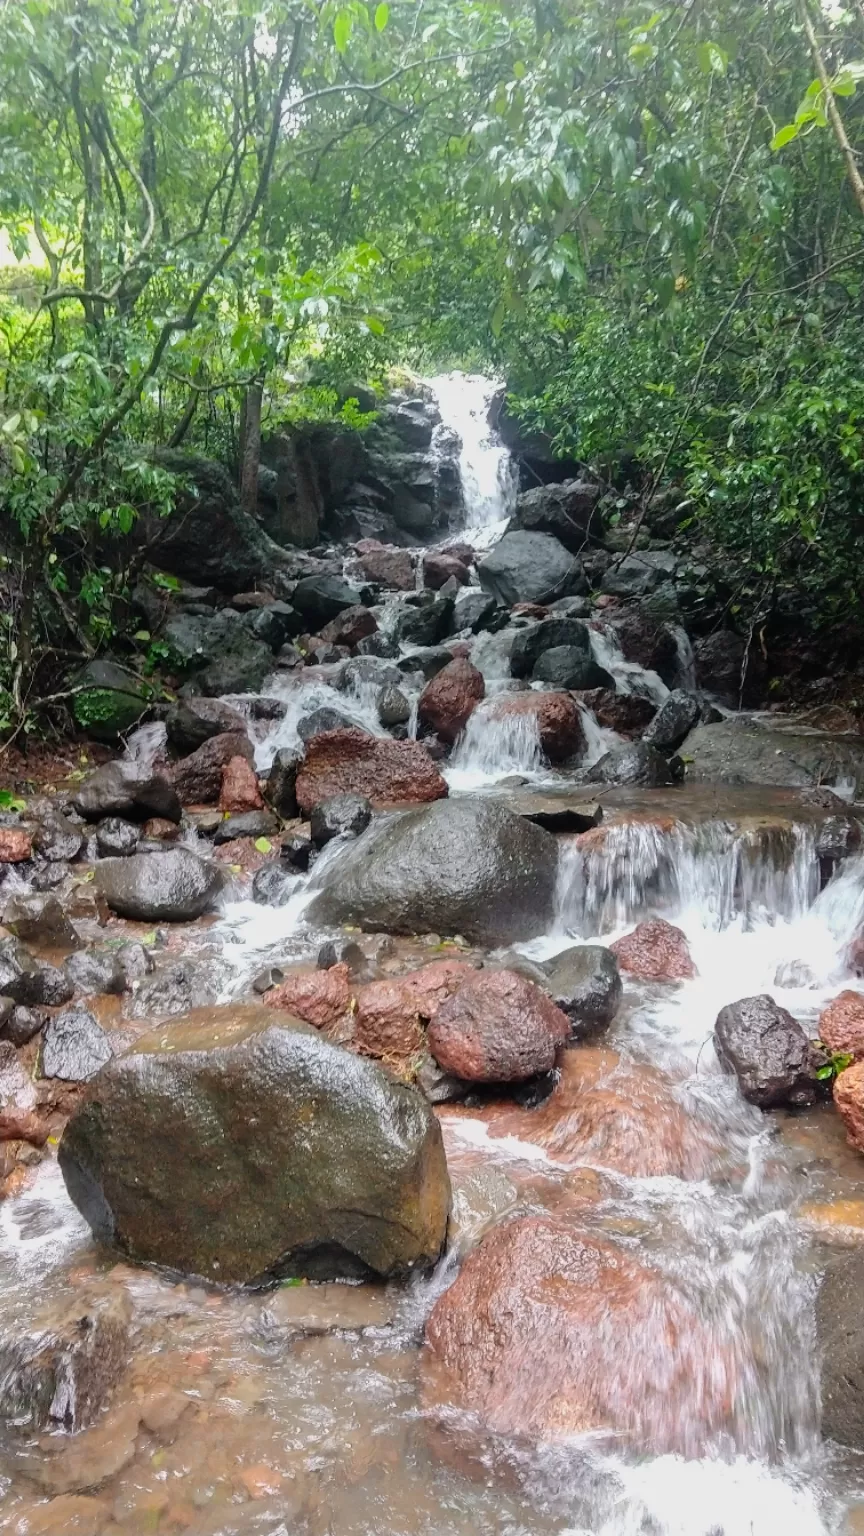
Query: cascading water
488	472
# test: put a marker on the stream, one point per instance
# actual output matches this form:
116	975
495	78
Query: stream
301	1411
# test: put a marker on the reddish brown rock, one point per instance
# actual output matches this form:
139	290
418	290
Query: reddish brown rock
465	553
626	713
841	1025
349	627
350	762
317	997
392	1014
558	721
16	845
438	567
655	951
529	611
544	1334
855	955
158	830
198	778
849	1099
240	790
448	701
386	565
498	1028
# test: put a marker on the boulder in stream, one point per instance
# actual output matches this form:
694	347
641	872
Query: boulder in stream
340	816
198	778
351	762
738	751
39	919
467	866
27	981
840	1335
173	886
128	790
841	1025
244	1148
768	1051
634	763
530	568
655	951
74	1046
585	983
567	509
559	723
450	698
498	1028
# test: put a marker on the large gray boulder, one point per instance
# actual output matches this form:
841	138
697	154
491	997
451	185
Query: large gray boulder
457	866
567	510
634	763
771	1056
174	886
742	752
586	984
534	640
220	652
128	790
637	574
239	1145
530	568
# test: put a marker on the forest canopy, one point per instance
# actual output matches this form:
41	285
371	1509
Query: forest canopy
649	221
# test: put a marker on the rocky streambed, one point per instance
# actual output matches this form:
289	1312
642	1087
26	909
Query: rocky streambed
432	1080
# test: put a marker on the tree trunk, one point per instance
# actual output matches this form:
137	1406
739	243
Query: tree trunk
250	450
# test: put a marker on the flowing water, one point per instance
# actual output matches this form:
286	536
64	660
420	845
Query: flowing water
489	475
301	1412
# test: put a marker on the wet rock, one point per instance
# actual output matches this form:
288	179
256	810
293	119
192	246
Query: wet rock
440	1088
340	816
198	778
837	837
350	627
450	698
362	672
567	667
136	960
386	565
351	762
585	983
655	951
472	610
768	1052
841	1025
252	824
112	701
26	981
275	623
221	653
635	763
639	573
391	1015
116	838
534	640
176	990
74	1046
383	646
191	722
676	717
559	723
318	997
393	707
23	1024
158	830
322	598
241	1147
840	1334
440	566
57	838
174	886
96	971
281	788
719	662
240	790
38	918
297	852
49	877
498	1028
533	1341
849	1102
341	952
425	624
645	641
325	719
739	751
427	661
626	713
16	845
274	885
530	568
125	789
60	1372
467	866
568	510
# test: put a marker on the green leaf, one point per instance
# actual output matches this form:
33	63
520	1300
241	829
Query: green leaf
382	16
342	29
499	315
825	1072
785	136
263	845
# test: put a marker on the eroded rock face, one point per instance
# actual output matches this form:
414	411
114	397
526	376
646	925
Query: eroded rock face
174	886
498	1028
768	1052
655	951
467	866
60	1373
350	762
535	1340
585	983
125	789
841	1025
449	700
242	1147
559	723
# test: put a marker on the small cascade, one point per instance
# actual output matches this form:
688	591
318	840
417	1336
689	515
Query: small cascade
685	667
624	873
488	472
598	738
357	705
146	744
494	747
629	676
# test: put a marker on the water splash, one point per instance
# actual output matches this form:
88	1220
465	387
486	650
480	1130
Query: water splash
488	472
629	676
598	738
494	747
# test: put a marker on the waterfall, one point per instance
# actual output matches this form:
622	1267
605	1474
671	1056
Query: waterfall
494	747
489	475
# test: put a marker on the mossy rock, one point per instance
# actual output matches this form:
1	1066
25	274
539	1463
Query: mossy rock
113	702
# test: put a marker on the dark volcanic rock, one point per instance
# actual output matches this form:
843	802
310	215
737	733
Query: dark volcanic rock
74	1046
93	971
274	885
175	886
198	778
567	667
124	789
281	787
676	716
425	624
191	722
840	1335
115	837
531	642
338	816
635	763
586	985
321	598
26	981
462	866
568	510
38	918
23	1023
739	751
58	839
241	1146
324	719
768	1052
530	568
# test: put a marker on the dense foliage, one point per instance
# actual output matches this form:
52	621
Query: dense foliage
650	220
